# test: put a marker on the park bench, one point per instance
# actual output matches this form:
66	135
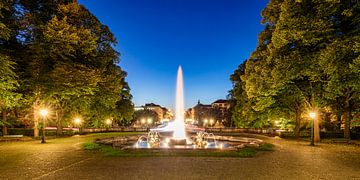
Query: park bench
10	138
13	136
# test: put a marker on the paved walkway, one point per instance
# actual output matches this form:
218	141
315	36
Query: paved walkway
64	159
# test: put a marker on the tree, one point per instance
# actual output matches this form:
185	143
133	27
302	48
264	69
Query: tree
70	62
340	62
300	60
252	80
142	116
9	98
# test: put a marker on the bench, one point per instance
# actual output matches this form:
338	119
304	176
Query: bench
13	136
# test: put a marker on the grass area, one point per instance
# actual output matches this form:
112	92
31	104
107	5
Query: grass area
109	134
91	146
266	147
109	151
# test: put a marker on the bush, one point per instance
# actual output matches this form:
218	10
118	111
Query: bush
266	147
91	146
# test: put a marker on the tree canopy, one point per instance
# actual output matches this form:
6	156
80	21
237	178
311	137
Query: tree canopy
306	60
57	54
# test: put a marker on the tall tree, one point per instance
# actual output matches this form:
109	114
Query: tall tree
300	60
340	60
9	98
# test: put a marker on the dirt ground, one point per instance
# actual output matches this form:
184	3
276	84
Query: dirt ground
64	158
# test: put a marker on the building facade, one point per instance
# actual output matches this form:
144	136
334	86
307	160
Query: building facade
208	115
163	114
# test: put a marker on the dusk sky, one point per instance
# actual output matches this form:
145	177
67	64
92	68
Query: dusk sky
208	38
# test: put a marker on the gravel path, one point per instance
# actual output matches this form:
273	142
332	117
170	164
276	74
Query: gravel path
66	160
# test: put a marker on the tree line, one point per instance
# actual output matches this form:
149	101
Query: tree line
307	60
56	54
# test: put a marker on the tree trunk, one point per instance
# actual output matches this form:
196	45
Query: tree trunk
316	130
36	122
338	121
4	129
59	130
348	119
297	123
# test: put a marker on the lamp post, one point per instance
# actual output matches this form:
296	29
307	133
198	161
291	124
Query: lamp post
108	124
77	121
143	121
211	122
149	121
205	122
43	113
312	117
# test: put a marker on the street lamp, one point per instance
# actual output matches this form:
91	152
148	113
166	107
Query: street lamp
77	121
149	120
108	122
143	121
312	116
205	122
43	113
211	122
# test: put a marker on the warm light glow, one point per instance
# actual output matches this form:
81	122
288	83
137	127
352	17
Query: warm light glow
108	121
77	120
149	120
189	120
312	115
211	121
44	112
221	146
164	120
205	121
142	121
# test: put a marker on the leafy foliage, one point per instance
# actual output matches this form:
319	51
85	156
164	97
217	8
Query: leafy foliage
65	59
306	59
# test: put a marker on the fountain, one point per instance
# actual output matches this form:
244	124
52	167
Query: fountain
179	135
156	138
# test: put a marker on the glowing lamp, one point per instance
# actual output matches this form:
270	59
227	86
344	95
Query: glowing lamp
211	121
312	115
44	112
108	121
149	120
77	120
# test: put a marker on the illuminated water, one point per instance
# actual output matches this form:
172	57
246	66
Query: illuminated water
179	125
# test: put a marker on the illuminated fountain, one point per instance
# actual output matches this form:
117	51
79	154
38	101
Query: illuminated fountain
179	135
178	139
173	134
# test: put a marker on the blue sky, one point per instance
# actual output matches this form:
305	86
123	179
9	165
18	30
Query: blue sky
208	38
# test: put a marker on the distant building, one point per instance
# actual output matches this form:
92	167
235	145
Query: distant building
208	114
162	112
221	103
222	106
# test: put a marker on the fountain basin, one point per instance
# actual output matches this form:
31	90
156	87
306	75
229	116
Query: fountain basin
173	142
142	142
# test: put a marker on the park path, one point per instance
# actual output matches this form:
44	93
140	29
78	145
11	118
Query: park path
290	160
